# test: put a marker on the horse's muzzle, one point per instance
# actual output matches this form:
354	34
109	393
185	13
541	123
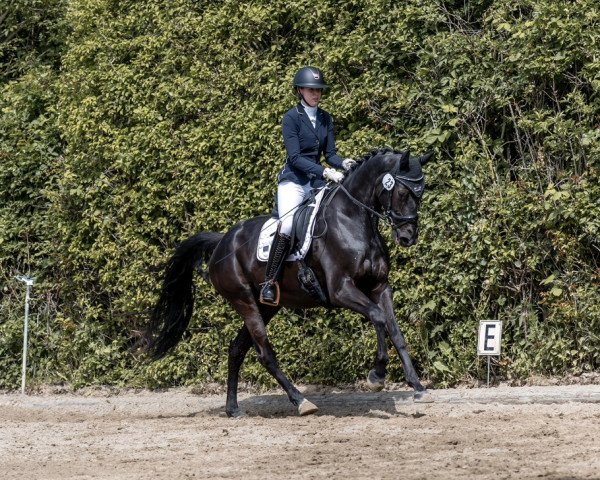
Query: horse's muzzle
406	235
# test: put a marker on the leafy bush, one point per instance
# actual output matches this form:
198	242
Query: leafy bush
129	126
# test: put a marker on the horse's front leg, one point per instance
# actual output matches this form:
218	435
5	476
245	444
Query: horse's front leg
383	297
376	377
238	348
379	310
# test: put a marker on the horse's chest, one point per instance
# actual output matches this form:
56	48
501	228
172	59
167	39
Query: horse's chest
372	267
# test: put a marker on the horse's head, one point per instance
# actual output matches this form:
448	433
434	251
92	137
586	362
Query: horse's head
389	185
399	193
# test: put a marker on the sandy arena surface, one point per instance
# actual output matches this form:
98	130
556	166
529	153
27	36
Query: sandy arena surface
489	433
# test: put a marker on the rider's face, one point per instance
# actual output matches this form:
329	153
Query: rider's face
312	96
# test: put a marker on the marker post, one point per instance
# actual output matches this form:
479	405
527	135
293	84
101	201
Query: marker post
28	281
490	338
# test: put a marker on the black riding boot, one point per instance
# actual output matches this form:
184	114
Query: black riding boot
279	250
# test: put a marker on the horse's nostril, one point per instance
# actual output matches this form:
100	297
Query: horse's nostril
406	241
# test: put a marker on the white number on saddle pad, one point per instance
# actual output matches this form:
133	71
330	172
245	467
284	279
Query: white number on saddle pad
388	181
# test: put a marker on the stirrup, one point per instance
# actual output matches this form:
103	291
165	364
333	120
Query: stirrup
275	286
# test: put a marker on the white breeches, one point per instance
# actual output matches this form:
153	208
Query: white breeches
289	196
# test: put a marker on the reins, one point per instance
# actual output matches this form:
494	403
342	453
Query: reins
360	204
389	217
414	186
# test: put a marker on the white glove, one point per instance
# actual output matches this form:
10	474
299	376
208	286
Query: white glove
333	175
348	163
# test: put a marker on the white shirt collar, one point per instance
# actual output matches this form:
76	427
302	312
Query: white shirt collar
312	111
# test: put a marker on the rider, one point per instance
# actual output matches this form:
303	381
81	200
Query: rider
307	133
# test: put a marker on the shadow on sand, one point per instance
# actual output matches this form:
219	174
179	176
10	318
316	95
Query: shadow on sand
338	404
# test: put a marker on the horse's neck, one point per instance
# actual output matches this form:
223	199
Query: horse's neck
357	204
351	220
359	201
363	190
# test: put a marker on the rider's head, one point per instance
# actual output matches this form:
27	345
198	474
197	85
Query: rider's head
309	84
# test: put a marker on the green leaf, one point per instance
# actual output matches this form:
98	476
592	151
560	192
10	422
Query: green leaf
440	367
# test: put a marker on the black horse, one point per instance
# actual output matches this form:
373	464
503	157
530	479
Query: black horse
348	256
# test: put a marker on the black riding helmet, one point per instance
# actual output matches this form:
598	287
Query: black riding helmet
309	77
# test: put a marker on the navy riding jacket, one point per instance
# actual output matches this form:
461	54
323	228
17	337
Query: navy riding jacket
305	144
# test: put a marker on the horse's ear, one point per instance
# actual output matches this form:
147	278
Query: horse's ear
425	158
404	161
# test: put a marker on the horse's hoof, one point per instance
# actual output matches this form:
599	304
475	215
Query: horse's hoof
423	397
306	408
237	414
374	382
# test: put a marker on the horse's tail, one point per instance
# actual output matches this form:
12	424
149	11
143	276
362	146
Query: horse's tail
171	314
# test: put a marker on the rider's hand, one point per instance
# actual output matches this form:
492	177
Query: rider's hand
333	175
348	163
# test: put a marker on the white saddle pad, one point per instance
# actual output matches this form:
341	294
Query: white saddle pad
267	233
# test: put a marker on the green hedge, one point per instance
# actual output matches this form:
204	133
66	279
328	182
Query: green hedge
127	126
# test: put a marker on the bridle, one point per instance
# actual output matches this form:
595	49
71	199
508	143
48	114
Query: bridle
414	184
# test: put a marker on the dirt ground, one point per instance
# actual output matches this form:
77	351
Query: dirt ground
547	432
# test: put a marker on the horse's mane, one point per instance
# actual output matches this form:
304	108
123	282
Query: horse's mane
374	153
378	151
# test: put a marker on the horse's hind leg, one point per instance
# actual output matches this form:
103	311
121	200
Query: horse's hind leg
238	348
255	325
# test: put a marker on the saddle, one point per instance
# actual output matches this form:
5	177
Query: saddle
302	231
